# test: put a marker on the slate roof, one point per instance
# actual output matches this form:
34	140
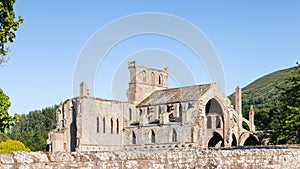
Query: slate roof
175	95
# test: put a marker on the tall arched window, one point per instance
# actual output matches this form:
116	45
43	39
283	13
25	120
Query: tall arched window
192	134
97	124
130	114
160	79
117	126
159	111
174	136
133	138
103	125
180	112
152	136
141	112
111	126
143	76
152	78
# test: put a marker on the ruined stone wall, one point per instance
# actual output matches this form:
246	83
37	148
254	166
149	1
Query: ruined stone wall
96	114
259	157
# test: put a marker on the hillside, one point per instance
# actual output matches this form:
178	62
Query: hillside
262	93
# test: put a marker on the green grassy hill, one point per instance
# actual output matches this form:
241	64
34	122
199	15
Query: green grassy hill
262	93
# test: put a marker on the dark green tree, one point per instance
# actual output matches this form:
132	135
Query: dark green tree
33	129
8	25
285	116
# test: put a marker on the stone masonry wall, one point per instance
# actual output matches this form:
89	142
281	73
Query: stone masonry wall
258	157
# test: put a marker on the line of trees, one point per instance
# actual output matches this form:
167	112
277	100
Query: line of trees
33	128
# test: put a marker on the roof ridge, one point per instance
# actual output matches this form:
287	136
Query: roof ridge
176	94
184	87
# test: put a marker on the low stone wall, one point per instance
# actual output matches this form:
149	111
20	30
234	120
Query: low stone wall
247	157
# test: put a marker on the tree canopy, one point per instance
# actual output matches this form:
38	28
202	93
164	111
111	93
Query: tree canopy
285	117
5	120
33	128
8	25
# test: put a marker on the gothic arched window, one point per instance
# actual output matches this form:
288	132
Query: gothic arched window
133	138
152	78
143	76
152	136
111	126
160	79
104	125
97	124
130	114
174	136
117	126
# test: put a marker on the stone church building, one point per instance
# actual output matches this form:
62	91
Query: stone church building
154	117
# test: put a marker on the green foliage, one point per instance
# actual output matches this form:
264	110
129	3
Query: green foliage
5	120
33	128
261	94
8	25
276	100
12	145
3	137
285	122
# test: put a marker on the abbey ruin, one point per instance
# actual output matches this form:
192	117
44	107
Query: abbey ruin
154	117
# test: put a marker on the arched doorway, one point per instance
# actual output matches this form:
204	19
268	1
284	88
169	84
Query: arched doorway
251	141
216	140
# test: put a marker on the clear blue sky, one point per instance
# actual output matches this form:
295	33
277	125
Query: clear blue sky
252	39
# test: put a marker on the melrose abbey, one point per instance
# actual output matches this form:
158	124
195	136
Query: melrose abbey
154	117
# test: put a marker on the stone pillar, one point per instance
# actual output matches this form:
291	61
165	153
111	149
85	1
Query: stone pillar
201	135
238	105
238	100
84	91
251	118
213	122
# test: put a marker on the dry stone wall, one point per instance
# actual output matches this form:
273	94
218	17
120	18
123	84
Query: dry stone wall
259	157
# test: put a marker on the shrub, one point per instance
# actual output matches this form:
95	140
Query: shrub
3	137
12	145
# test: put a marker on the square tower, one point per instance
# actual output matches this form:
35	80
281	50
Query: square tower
144	81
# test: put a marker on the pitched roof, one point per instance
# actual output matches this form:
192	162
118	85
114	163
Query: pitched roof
175	95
